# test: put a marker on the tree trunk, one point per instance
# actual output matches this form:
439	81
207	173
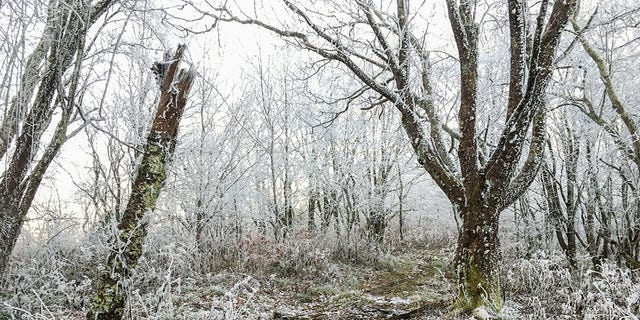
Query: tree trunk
11	225
376	225
15	206
564	226
32	109
478	259
110	294
311	210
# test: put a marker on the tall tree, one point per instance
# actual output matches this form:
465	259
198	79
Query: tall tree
109	298
43	88
603	98
385	51
563	201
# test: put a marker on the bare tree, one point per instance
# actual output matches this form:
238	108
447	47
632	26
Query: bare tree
599	214
215	163
272	133
109	299
563	199
386	52
43	88
603	103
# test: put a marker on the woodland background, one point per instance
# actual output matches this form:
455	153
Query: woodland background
294	191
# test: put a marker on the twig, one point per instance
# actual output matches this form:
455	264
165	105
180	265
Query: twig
43	305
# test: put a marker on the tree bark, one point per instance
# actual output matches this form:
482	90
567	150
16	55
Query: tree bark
478	259
110	293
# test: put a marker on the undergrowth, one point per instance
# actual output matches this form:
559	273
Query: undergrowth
541	288
307	275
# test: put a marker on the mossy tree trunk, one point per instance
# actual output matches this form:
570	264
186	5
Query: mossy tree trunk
478	260
110	292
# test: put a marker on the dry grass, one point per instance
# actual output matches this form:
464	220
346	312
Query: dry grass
310	277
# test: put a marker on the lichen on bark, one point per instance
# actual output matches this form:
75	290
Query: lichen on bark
477	262
110	291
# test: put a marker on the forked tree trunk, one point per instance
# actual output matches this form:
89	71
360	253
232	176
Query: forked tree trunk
32	109
478	259
110	296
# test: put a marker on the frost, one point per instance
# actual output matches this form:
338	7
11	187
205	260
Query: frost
482	313
298	214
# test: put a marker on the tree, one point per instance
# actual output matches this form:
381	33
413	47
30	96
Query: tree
387	53
215	160
44	87
599	98
109	299
563	201
115	137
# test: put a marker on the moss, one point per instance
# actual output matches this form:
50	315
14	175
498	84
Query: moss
416	280
479	290
349	298
314	293
109	300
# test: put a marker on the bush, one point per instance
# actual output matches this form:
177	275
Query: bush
540	289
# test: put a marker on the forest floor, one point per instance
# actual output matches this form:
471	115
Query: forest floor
413	284
410	284
302	279
312	277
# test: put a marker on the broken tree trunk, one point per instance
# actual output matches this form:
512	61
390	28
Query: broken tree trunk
109	299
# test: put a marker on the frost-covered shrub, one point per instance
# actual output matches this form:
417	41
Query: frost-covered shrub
213	296
355	252
541	289
304	254
304	258
48	280
612	292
